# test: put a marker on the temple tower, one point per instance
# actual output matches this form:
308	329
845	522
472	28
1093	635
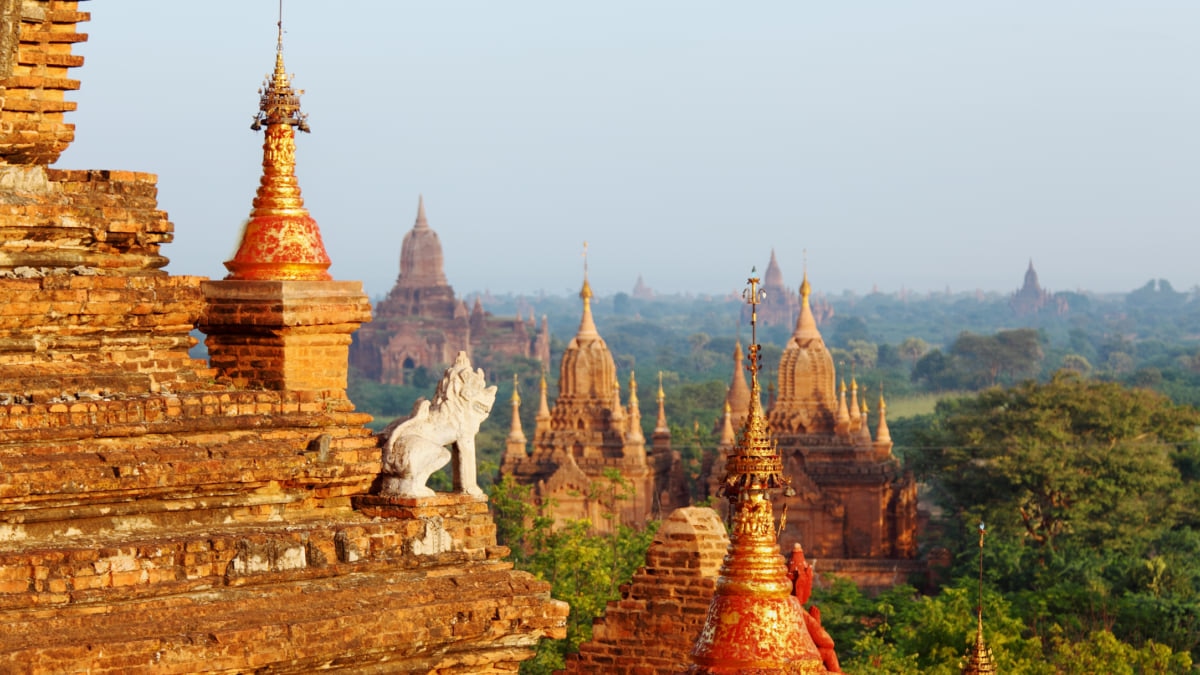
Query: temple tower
754	595
588	431
853	506
278	320
422	324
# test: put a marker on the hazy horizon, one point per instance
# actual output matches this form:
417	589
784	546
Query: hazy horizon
931	145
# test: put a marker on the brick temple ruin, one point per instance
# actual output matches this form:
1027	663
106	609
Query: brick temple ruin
589	431
161	514
421	324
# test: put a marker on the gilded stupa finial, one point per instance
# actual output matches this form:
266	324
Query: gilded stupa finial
515	432
587	325
753	595
635	411
882	433
660	424
979	658
281	241
805	289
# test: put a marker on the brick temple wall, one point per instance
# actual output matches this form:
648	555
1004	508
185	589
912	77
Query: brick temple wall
652	628
158	515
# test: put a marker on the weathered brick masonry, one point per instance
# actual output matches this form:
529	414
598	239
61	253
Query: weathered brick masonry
652	628
161	515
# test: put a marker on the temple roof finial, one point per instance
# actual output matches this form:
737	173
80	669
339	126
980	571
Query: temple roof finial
587	325
281	241
516	433
660	425
753	592
979	657
882	435
421	220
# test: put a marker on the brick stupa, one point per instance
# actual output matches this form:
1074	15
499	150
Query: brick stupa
158	515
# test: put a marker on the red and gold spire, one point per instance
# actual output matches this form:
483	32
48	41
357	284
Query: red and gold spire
281	241
755	623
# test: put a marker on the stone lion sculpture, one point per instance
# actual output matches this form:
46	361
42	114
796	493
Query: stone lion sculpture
414	448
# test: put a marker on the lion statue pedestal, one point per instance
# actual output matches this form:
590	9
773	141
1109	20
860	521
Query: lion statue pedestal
415	448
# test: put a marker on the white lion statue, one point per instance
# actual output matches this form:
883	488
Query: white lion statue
414	448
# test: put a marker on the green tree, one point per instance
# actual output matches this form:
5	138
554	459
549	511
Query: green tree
1092	459
913	348
1013	353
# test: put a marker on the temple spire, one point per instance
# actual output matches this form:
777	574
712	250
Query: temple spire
738	396
979	657
883	435
587	326
727	436
806	324
543	413
635	412
515	432
660	425
422	221
855	417
753	595
281	241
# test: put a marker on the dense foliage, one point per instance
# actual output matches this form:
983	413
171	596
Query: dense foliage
585	569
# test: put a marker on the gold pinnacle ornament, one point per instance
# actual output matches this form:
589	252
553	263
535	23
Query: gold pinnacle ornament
281	241
754	623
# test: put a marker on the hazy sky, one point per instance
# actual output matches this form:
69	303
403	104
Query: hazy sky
911	144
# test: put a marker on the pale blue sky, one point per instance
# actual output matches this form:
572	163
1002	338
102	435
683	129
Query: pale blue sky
911	144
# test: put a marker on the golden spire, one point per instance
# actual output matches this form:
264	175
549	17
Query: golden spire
753	593
738	395
727	436
635	412
422	221
806	323
516	433
853	409
882	435
660	425
543	413
979	658
841	420
280	241
587	326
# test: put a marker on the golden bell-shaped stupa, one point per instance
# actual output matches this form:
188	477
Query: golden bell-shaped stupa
281	241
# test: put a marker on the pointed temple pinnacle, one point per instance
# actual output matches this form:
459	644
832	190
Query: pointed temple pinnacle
516	433
979	656
882	434
421	221
587	325
806	323
660	424
753	593
281	241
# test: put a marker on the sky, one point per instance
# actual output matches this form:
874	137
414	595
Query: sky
919	145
